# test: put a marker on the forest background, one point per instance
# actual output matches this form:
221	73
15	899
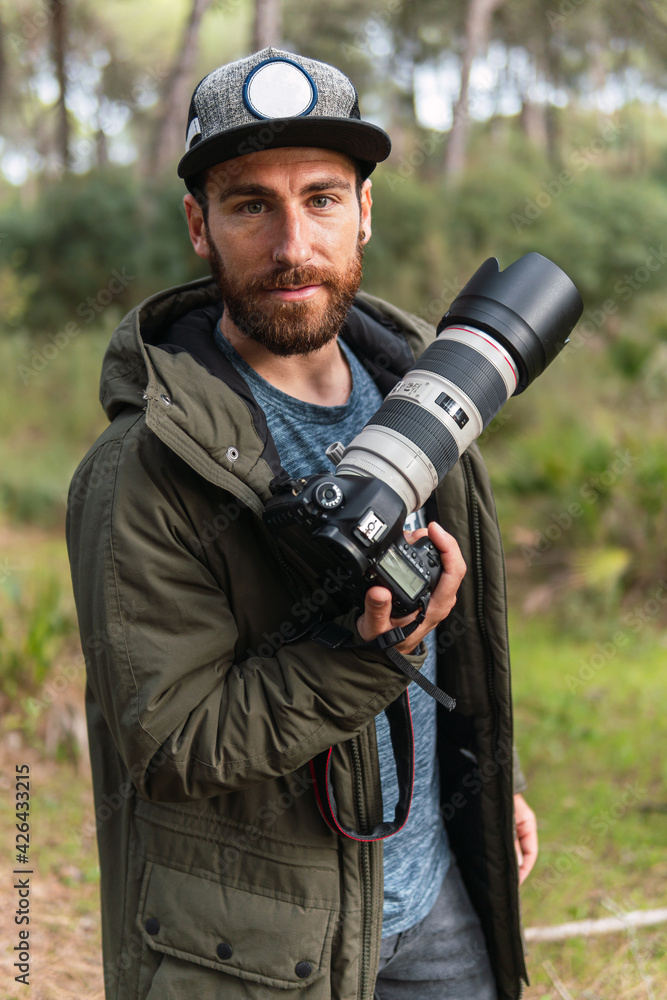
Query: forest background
516	126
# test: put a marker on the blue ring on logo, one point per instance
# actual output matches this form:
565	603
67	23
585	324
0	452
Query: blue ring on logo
278	59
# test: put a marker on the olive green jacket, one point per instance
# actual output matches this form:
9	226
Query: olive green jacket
219	876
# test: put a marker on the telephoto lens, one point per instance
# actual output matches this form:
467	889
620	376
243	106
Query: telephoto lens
499	334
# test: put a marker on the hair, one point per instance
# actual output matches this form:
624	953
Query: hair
196	185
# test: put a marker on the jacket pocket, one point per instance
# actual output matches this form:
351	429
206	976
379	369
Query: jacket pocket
242	935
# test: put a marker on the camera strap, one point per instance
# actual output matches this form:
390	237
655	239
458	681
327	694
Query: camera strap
403	744
335	636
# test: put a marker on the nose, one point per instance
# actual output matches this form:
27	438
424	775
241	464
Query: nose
293	245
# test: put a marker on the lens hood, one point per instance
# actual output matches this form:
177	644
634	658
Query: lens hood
531	308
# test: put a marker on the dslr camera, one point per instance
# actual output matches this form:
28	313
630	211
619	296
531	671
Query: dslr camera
499	334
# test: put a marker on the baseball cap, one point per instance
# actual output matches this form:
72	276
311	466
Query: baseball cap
275	98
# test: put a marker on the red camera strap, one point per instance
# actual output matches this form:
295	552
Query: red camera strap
403	744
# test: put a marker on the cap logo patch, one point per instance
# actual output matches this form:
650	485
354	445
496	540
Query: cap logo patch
194	132
279	88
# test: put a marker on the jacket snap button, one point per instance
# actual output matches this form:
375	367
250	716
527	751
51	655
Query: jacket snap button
232	454
152	925
224	951
303	969
165	399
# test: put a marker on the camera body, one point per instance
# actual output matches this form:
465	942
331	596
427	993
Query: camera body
499	334
352	528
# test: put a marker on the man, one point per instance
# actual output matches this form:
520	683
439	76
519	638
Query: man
208	693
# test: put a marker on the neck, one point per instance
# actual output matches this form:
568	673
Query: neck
323	377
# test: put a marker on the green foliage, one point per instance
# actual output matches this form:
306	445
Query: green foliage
32	628
50	415
90	245
600	226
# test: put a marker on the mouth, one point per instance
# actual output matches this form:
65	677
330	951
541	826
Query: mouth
296	293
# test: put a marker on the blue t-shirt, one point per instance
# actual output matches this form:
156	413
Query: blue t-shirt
416	859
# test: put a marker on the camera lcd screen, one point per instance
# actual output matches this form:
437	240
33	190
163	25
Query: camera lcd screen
400	571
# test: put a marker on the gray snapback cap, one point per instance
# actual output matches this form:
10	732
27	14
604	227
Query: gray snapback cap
272	99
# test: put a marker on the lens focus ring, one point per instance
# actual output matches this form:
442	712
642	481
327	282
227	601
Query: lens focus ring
418	425
470	371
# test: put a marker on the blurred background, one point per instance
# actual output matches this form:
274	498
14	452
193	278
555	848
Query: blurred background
516	126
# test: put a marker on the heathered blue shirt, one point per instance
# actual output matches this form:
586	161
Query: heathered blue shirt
417	858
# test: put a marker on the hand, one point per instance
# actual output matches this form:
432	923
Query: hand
377	619
526	836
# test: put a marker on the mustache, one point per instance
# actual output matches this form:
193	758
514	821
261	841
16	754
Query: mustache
307	274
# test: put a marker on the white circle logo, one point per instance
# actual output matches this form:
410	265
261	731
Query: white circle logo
279	88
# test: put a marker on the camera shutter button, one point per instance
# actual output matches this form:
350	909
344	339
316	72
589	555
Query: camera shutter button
328	496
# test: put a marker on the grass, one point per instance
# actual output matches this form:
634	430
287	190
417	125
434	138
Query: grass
613	967
593	754
64	918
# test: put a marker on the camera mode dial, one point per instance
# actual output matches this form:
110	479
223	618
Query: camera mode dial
328	496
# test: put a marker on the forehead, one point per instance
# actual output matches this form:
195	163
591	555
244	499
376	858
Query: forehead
295	162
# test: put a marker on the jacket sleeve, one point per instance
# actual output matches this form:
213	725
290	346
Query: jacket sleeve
158	636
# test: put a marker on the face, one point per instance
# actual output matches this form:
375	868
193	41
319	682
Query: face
284	240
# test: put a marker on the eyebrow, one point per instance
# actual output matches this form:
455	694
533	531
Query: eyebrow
333	182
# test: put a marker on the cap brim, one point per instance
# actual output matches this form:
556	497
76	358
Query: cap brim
361	140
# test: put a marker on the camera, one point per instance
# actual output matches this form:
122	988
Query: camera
499	334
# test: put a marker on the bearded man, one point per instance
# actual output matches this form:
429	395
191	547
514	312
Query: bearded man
208	694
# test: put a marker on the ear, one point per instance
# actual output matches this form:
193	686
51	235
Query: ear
366	202
196	225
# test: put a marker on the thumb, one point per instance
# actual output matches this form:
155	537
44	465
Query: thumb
378	604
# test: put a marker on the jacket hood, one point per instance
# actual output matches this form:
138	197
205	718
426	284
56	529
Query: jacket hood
125	366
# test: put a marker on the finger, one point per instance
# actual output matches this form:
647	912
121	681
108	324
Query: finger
444	594
450	553
526	832
526	862
528	845
378	603
412	536
376	617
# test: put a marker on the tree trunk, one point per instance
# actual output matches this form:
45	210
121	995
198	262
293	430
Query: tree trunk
478	24
3	63
533	121
59	45
168	143
267	31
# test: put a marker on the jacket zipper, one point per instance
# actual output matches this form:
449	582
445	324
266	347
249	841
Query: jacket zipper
365	866
479	578
366	981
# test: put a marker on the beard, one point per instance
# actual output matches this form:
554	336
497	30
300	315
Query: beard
288	328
